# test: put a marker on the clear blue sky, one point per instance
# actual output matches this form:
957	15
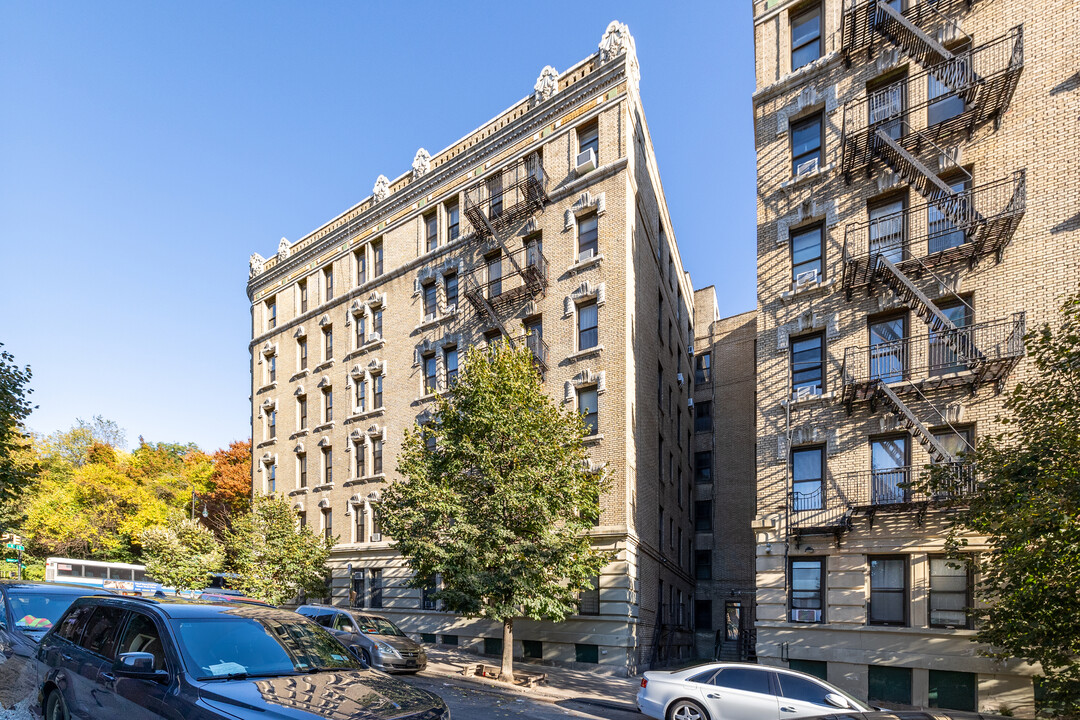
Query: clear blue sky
148	148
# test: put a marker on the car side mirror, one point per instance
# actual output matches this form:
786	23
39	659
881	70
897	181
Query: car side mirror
837	700
139	666
358	653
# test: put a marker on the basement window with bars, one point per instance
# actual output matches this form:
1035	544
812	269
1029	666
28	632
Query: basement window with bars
589	600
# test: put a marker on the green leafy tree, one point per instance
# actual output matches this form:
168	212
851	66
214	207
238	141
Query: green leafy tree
17	463
1028	507
274	557
73	446
498	501
181	554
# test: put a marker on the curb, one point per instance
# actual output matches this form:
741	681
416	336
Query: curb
480	686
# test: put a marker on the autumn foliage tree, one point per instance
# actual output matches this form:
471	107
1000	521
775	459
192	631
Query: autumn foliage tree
230	482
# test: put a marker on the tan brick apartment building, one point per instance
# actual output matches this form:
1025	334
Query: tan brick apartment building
547	226
917	210
724	466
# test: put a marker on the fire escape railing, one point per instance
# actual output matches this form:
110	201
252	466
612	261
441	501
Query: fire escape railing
503	287
865	21
945	102
932	359
832	505
500	204
920	237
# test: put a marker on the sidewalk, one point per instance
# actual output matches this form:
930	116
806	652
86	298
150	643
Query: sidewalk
561	684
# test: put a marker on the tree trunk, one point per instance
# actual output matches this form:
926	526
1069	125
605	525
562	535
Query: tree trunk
507	674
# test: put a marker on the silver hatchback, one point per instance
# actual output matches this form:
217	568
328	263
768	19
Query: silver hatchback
381	644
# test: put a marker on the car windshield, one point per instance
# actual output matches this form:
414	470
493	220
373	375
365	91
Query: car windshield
234	645
371	625
35	613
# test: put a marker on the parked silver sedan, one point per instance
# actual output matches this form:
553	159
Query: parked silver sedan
739	691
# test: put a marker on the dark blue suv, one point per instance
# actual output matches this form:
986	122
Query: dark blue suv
143	659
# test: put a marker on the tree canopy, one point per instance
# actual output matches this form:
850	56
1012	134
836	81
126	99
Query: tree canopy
181	554
17	464
499	498
1028	507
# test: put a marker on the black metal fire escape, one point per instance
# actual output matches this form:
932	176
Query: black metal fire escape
498	209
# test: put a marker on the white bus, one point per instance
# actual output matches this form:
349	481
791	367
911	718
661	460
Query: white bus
120	577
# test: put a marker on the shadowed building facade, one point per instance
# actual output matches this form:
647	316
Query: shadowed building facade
917	212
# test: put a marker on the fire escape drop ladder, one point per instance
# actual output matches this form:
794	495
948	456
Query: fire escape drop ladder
913	425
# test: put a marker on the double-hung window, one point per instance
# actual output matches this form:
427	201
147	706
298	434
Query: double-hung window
271	423
703	368
703	467
328	405
450	286
361	330
376	456
703	515
301	412
807	475
703	416
301	352
302	285
271	313
888	590
361	395
271	480
588	321
450	360
328	465
361	450
806	142
453	222
807	589
949	349
431	295
807	251
944	234
301	470
328	277
377	255
494	275
587	406
806	37
807	364
376	322
431	232
271	368
328	343
495	193
950	593
888	349
361	266
431	380
377	390
587	236
589	139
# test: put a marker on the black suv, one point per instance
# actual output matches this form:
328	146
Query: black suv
144	658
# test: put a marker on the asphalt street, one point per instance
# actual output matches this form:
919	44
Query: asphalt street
469	704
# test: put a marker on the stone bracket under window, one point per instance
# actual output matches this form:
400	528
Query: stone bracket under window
806	210
584	291
585	378
429	273
324	320
324	441
376	432
324	381
300	332
805	322
269	349
807	98
585	201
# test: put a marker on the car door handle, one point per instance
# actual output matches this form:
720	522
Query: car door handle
787	709
108	677
65	657
713	696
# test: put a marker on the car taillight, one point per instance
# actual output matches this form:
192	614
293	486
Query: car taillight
644	682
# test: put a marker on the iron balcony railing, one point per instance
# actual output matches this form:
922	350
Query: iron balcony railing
921	236
834	502
864	21
985	352
497	281
944	103
507	198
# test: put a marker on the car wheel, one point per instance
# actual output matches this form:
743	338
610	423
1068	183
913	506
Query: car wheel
55	707
367	657
682	710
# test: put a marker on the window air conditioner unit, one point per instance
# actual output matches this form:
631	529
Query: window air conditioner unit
690	403
451	309
806	278
679	379
805	616
376	537
586	162
429	317
807	168
583	256
374	337
806	392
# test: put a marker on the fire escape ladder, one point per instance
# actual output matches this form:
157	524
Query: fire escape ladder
909	167
913	425
958	340
475	294
909	37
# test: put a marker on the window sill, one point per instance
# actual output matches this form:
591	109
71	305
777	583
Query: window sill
322	428
592	439
267	443
324	486
323	366
299	433
266	388
807	401
381	477
438	319
302	374
357	417
595	350
792	183
298	491
807	289
586	264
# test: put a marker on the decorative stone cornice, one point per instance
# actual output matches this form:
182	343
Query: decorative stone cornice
421	164
806	321
381	191
584	290
585	378
546	85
